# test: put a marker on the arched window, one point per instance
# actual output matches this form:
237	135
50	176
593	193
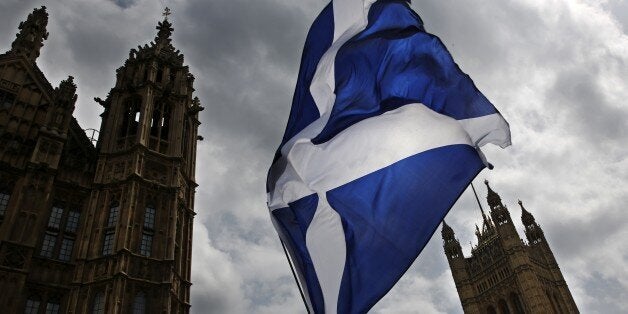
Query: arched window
98	304
160	126
139	303
110	229
131	116
503	307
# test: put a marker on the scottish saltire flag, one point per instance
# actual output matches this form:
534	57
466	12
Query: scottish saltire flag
383	137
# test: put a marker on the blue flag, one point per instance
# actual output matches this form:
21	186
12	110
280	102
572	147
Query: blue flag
383	137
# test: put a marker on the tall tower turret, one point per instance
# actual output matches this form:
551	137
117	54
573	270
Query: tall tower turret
457	263
143	203
32	34
499	212
532	229
453	250
558	293
503	273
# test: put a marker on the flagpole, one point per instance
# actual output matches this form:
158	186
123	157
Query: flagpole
478	200
294	275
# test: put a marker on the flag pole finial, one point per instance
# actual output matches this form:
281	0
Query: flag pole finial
166	13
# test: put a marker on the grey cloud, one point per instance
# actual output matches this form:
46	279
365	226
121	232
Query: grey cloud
125	4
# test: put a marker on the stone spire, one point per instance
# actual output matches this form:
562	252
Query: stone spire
492	197
526	216
164	29
30	39
452	247
65	94
447	232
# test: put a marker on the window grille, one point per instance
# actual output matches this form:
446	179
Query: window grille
55	217
114	211
107	246
48	245
73	220
149	218
52	308
139	304
98	307
146	244
32	306
66	249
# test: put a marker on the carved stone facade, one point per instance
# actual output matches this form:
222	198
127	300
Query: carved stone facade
104	229
505	274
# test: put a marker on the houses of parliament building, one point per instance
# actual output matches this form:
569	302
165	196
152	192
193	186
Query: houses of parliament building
102	227
504	274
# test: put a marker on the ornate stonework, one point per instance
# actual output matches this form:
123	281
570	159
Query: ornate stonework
104	228
505	274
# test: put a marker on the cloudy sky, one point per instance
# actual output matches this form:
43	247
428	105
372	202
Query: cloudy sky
557	70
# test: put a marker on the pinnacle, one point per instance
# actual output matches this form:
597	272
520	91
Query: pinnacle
447	231
32	33
164	27
492	197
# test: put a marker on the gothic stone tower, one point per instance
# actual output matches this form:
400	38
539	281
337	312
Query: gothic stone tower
505	274
137	247
103	229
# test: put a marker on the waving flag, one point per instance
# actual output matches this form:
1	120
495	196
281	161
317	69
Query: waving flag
382	139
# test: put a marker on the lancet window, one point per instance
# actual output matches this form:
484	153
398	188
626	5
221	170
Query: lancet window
131	116
148	230
110	228
160	127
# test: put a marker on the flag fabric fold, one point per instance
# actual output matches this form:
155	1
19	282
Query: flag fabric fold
383	137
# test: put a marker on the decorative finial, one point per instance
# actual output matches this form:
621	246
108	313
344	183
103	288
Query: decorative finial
66	93
526	216
166	13
30	39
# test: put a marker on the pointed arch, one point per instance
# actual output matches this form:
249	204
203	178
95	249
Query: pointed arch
130	116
